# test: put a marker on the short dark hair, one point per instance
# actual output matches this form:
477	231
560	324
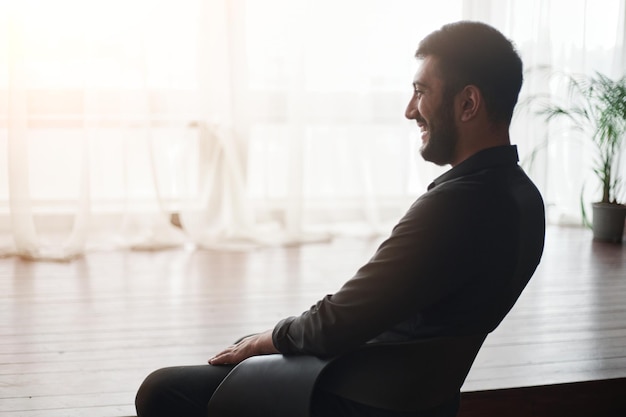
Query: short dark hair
477	54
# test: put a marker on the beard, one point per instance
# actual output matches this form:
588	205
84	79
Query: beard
442	136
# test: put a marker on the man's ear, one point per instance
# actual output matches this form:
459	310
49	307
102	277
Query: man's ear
469	101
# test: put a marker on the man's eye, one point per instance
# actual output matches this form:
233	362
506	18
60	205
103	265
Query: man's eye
418	92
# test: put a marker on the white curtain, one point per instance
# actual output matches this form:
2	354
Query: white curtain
238	123
558	37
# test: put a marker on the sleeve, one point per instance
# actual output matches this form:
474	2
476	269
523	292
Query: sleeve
417	265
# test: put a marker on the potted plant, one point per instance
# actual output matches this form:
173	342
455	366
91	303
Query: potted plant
597	106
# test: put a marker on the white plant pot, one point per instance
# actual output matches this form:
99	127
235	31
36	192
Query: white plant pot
608	222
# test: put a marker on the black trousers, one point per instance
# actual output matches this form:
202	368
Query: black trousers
185	391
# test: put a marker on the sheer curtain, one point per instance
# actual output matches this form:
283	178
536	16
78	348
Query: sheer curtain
234	124
591	38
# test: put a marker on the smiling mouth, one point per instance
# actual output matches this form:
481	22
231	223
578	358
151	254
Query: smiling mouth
423	130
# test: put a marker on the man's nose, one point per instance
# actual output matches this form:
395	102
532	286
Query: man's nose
411	111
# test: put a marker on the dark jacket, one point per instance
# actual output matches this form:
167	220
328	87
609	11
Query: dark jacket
454	264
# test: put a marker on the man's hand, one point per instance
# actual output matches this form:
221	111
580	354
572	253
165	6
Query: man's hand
258	344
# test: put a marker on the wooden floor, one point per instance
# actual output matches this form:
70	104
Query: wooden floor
77	339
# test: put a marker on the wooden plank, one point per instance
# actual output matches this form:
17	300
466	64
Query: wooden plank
583	399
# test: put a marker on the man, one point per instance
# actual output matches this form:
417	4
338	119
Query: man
455	263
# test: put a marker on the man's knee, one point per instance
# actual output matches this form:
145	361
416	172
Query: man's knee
153	394
179	390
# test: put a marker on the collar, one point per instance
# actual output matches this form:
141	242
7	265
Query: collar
487	158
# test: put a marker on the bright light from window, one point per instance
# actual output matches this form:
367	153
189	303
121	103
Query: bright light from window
101	44
348	45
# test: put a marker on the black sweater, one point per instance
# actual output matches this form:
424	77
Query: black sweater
454	264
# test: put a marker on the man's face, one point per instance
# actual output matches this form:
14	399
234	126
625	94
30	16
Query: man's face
433	111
